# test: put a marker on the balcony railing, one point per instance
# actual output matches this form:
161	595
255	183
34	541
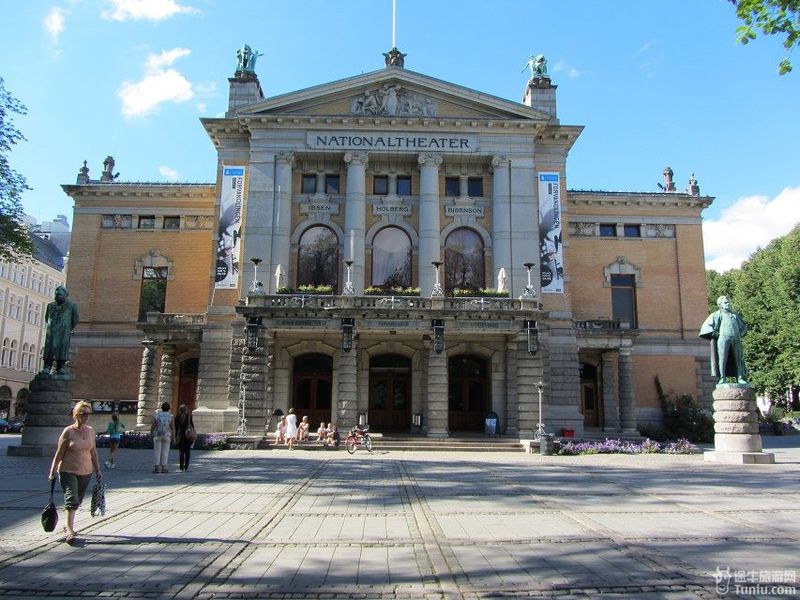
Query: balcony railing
380	303
602	324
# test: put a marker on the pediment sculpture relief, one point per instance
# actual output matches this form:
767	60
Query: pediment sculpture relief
392	100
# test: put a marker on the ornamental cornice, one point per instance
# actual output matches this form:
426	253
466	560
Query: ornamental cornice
644	199
500	161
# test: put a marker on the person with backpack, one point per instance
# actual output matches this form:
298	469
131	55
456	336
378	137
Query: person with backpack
186	434
114	430
163	432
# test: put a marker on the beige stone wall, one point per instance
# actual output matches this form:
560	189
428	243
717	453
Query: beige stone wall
677	375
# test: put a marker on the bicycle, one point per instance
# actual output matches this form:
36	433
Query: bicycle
358	436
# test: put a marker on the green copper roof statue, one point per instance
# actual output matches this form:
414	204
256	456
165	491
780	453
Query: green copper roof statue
725	329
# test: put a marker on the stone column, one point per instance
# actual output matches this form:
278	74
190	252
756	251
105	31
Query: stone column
501	218
627	404
610	392
147	389
281	239
253	376
347	389
463	186
512	402
392	184
528	394
736	436
165	374
437	407
355	217
429	227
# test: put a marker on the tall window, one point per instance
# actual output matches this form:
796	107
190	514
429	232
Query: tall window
404	185
463	260
391	258
154	291
318	257
309	184
380	185
331	184
623	298
475	187
452	187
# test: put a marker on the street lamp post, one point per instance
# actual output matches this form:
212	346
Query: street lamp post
437	291
348	290
540	432
529	292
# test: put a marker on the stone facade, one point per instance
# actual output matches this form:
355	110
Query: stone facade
455	176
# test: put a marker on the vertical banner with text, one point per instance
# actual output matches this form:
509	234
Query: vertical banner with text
550	252
229	234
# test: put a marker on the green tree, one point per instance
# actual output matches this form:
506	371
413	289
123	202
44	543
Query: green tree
14	240
766	292
772	17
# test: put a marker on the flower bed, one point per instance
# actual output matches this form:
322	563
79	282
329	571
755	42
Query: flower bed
393	291
648	446
319	290
480	293
139	440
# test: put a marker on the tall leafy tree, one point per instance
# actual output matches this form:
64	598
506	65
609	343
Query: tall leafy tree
766	291
772	17
14	240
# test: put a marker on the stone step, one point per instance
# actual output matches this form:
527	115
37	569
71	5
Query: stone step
394	443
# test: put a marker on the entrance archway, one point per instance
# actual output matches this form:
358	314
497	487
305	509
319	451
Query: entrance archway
468	393
312	388
590	401
187	383
390	393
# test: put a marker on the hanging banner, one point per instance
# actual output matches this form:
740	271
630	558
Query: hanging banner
229	235
550	252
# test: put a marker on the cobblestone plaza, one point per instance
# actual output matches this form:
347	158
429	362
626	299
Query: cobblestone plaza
279	524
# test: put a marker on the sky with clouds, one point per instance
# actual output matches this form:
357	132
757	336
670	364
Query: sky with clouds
654	83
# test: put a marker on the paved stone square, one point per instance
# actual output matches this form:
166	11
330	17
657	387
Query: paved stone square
281	524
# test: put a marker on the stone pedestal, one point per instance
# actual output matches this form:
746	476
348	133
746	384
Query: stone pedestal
736	437
48	410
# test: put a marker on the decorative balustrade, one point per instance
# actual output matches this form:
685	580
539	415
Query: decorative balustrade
602	324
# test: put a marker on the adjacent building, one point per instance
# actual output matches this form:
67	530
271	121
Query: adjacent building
393	248
26	288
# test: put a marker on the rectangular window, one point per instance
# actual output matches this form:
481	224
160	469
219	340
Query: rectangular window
172	222
475	187
608	230
380	185
632	231
623	299
154	291
451	187
404	185
309	184
331	184
147	222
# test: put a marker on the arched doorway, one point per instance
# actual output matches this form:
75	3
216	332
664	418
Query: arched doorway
187	386
468	393
5	401
390	393
312	387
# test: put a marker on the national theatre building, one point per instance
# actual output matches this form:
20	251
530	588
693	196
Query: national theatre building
391	248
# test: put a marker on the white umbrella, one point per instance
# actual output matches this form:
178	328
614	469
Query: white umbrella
278	276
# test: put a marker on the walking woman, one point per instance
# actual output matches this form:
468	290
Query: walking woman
184	423
74	461
114	430
163	432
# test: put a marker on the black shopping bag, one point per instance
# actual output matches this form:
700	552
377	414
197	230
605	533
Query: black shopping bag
50	514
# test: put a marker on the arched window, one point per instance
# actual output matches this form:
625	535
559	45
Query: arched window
391	258
12	359
5	352
463	260
318	257
32	358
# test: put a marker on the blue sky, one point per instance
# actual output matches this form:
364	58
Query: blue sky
655	83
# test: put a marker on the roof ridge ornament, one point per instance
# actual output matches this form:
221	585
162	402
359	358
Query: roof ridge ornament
394	58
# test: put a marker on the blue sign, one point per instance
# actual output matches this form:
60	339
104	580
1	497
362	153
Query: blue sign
233	172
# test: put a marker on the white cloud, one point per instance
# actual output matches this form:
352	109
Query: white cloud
561	66
169	174
145	10
750	223
644	48
54	23
159	85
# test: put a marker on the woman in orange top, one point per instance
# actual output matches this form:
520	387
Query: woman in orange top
75	459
